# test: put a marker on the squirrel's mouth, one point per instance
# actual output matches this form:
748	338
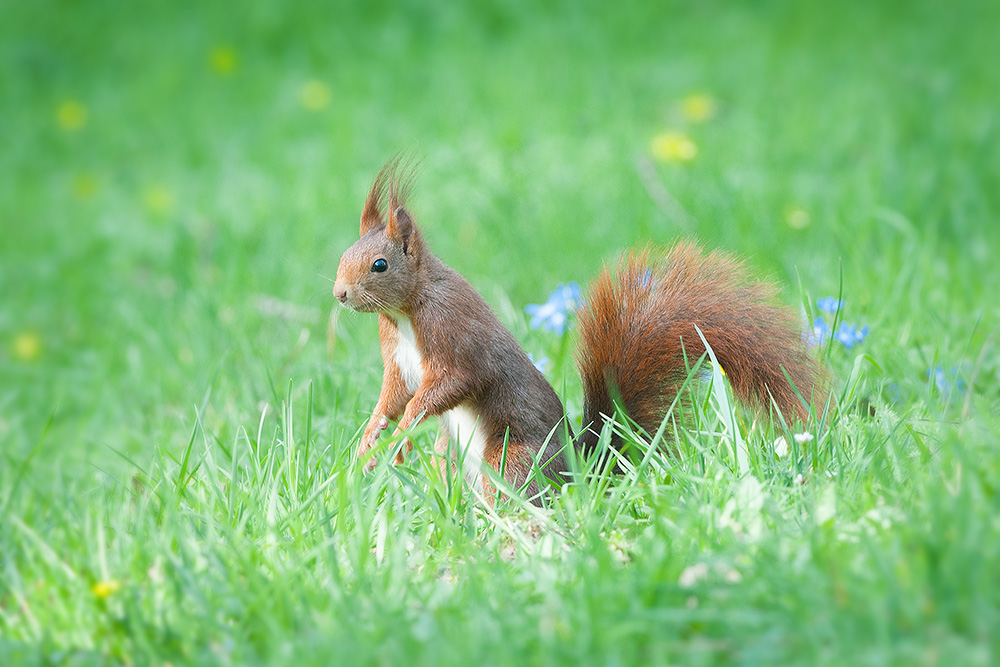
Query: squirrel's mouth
358	305
357	299
349	303
347	297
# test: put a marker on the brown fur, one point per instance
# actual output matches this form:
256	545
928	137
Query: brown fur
634	331
638	336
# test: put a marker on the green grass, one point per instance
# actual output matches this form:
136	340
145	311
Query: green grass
179	408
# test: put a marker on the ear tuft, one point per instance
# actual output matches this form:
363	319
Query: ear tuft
402	228
391	187
371	215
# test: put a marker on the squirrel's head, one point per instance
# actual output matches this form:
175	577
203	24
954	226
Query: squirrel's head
379	272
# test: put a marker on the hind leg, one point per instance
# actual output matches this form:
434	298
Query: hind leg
515	465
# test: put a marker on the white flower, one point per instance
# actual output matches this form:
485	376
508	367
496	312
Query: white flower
692	575
781	447
803	438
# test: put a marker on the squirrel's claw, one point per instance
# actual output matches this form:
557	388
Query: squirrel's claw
408	446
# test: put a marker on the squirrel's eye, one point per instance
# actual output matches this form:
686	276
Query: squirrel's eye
379	266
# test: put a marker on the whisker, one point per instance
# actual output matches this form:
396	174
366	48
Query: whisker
320	295
379	304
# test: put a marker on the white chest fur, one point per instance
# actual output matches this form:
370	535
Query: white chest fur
461	422
407	355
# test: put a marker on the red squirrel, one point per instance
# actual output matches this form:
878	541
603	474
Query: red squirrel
445	353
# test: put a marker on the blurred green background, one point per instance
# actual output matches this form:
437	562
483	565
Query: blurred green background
180	176
179	180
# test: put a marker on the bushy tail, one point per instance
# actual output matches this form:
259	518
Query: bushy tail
638	325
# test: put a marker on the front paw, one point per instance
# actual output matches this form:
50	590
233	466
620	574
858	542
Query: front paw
375	427
368	460
407	446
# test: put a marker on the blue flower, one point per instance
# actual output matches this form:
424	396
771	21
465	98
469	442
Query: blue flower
553	314
946	382
828	304
819	333
540	364
849	334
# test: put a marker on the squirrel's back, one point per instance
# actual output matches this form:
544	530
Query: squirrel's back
638	337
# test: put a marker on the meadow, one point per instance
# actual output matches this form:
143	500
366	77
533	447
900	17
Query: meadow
180	399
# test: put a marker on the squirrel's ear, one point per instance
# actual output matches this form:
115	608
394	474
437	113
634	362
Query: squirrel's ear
401	228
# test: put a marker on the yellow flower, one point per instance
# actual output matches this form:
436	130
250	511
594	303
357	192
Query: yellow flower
698	107
315	95
84	186
103	589
223	60
157	200
71	115
797	218
27	346
673	147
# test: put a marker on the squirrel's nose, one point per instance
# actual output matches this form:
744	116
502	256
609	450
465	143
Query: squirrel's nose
340	292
